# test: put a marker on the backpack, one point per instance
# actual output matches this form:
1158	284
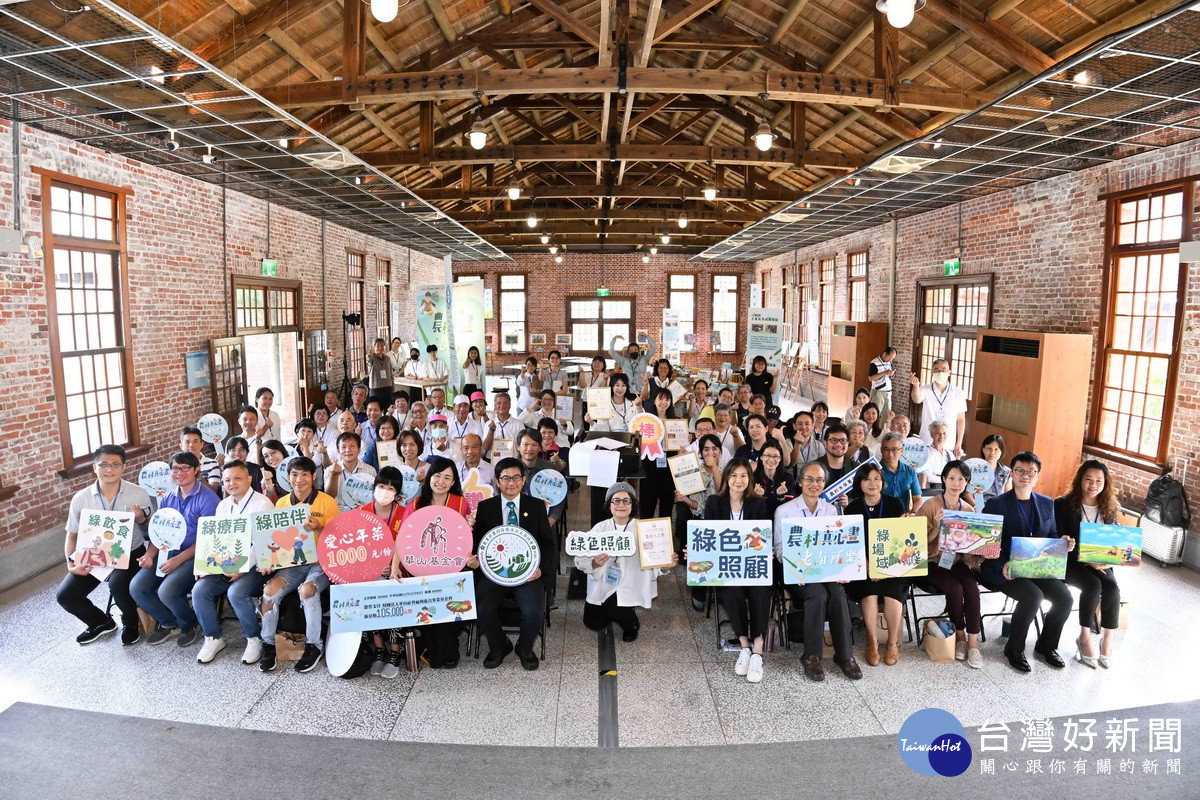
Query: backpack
1167	503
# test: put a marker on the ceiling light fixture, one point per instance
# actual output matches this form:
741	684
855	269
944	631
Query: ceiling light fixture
532	221
710	192
899	12
683	221
666	239
478	135
553	249
545	237
1083	78
763	138
514	191
283	142
208	157
384	10
645	259
558	259
653	251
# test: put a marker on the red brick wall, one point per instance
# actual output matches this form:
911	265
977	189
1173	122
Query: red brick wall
548	285
1045	245
178	299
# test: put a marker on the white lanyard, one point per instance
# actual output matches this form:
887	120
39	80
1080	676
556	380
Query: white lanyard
461	429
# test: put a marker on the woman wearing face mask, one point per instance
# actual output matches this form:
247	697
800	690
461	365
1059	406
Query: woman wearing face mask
472	372
957	583
441	488
941	399
388	486
871	503
623	408
388	430
412	367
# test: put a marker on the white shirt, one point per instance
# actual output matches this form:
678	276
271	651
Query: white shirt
508	429
619	422
533	416
328	435
129	497
460	429
412	369
635	586
942	405
398	359
487	473
343	500
435	370
473	373
795	508
253	501
729	443
451	452
555	380
274	426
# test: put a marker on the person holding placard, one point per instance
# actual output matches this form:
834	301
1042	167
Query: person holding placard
691	506
956	581
547	408
388	488
1093	498
166	597
441	488
748	607
307	580
992	451
658	488
899	479
528	451
241	588
617	585
512	507
236	449
1027	513
192	441
273	454
472	452
502	429
869	502
269	426
820	601
347	463
623	408
547	430
759	380
388	431
109	492
806	447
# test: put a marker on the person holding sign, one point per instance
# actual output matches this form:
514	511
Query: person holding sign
441	488
658	488
389	485
553	377
952	574
748	607
691	506
347	463
1027	513
308	580
870	502
616	585
512	508
528	451
774	483
1093	498
899	479
547	408
820	601
240	588
502	429
622	411
387	431
165	597
109	492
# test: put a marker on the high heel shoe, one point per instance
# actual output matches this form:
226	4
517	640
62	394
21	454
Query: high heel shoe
1087	661
1105	660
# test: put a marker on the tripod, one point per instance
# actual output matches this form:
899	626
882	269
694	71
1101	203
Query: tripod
347	387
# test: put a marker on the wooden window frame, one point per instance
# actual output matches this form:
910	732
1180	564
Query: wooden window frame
862	282
122	308
383	297
601	320
694	291
1112	252
267	284
983	279
500	320
737	311
361	310
824	350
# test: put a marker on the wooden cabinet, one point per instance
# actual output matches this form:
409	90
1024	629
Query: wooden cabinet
1032	388
853	346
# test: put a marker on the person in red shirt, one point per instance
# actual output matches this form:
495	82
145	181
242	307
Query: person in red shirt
388	505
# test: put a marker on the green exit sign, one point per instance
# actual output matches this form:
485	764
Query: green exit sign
602	292
270	267
952	267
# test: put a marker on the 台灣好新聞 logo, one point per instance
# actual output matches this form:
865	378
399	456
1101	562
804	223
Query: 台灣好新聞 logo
933	742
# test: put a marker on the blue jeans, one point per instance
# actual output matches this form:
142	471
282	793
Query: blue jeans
293	577
166	599
241	594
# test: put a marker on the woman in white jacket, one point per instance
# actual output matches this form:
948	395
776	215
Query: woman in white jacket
618	584
623	407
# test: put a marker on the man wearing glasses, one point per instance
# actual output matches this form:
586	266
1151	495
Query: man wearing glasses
899	479
836	441
523	511
109	493
166	598
942	400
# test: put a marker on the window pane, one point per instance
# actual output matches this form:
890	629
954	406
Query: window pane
512	281
585	336
617	309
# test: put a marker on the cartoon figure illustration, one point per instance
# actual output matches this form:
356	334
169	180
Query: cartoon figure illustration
298	556
427	304
94	556
434	536
274	548
700	566
460	584
425	615
754	539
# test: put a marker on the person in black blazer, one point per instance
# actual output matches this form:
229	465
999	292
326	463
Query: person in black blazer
748	607
530	514
1027	513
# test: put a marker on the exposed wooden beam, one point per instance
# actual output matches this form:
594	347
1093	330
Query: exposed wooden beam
353	52
567	20
654	108
525	118
973	21
785	22
438	12
220	47
696	212
887	59
578	113
681	18
510	232
675	193
622	152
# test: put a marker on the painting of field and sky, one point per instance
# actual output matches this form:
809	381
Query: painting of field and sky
1111	545
1033	557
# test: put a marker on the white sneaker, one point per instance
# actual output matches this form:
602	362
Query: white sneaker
743	662
212	646
960	650
975	658
755	673
253	651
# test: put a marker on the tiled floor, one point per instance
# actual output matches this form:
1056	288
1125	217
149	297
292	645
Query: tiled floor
674	686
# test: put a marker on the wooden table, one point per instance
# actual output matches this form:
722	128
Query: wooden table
426	386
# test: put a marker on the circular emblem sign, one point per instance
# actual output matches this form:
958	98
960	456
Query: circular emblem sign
916	453
167	529
281	474
982	475
649	426
359	487
355	546
155	478
213	428
411	486
549	485
509	555
434	540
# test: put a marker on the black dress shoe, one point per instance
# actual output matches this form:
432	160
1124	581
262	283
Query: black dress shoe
528	660
813	668
1017	661
495	659
630	634
1051	657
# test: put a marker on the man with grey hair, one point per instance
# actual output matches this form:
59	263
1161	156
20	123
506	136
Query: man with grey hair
729	434
899	479
902	425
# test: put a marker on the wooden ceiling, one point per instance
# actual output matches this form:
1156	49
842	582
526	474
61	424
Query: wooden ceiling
613	115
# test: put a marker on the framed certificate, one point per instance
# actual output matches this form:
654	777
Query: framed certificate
685	471
387	453
677	434
656	543
599	403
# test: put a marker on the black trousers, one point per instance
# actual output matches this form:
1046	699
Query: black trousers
657	497
748	607
595	617
531	600
74	590
1030	593
1097	588
441	643
384	395
822	601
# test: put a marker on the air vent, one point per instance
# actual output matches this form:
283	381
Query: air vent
845	330
1002	345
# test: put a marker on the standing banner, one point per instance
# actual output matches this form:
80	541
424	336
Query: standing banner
467	304
729	553
899	547
433	323
670	335
824	549
764	337
409	602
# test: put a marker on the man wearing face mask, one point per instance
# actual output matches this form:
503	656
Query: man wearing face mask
633	362
941	400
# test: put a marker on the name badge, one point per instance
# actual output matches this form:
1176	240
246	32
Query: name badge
946	561
613	574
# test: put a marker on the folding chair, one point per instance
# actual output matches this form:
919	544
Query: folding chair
510	622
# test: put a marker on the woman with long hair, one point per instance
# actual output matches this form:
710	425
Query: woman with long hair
1093	498
273	454
472	372
658	487
992	451
771	477
387	430
660	378
870	502
862	396
876	427
623	407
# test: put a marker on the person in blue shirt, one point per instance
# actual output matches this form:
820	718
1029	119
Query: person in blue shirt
899	479
166	598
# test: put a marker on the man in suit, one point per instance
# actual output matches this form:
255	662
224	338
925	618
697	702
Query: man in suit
525	511
1027	513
